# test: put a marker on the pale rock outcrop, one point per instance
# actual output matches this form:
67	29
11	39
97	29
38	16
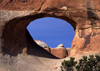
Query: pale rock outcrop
60	46
41	43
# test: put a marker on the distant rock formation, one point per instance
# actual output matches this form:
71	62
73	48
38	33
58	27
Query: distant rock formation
60	46
41	43
59	51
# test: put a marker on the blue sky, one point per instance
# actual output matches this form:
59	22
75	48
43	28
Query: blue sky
52	31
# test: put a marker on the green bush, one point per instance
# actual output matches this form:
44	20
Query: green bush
67	65
85	64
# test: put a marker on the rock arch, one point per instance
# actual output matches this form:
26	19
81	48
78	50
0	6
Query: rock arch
15	32
15	15
82	15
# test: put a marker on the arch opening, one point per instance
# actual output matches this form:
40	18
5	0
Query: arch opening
20	39
52	31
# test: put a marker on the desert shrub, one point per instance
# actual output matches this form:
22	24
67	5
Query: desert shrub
85	64
67	65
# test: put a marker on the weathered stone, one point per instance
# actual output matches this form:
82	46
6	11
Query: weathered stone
68	51
61	45
59	52
15	15
41	43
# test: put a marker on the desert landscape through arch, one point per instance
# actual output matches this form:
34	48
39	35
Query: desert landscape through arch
50	31
53	31
17	27
15	15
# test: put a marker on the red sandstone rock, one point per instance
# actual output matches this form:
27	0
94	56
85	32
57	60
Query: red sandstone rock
59	52
83	15
15	15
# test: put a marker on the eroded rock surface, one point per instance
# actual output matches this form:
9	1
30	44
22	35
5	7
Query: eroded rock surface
15	15
59	51
41	43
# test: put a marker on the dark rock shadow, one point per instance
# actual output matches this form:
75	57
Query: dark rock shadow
34	49
87	39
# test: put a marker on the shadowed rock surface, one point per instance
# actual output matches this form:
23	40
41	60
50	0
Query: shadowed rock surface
18	51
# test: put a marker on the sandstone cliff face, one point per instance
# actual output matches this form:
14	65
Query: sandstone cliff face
15	15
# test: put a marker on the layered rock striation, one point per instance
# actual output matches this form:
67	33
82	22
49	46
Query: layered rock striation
15	15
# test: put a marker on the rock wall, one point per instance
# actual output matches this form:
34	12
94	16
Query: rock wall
83	15
15	15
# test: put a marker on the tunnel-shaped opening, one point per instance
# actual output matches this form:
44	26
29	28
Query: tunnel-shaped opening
53	34
52	31
18	40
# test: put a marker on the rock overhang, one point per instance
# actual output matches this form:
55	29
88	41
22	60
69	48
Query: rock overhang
15	15
82	15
